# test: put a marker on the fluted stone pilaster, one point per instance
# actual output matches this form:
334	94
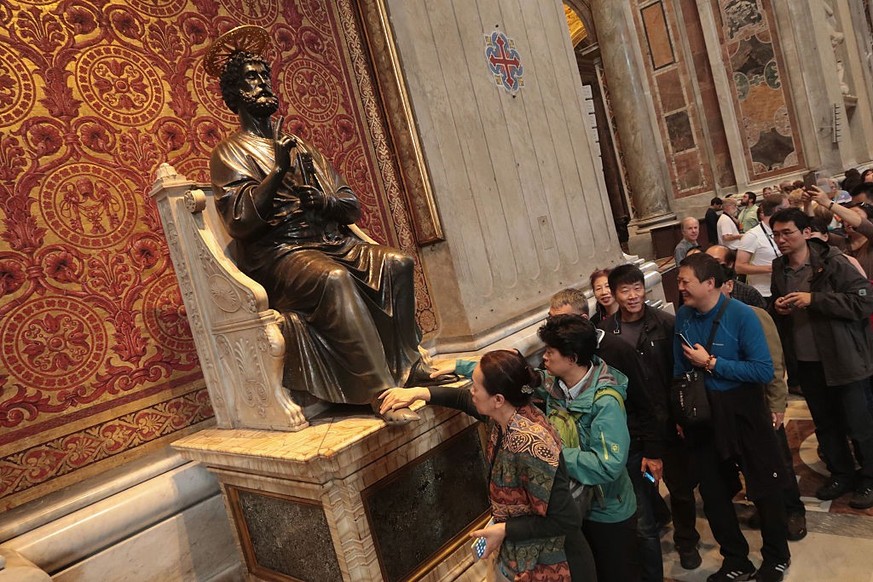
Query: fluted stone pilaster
643	155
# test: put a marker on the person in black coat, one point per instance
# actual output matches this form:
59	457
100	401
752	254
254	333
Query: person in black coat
711	220
650	333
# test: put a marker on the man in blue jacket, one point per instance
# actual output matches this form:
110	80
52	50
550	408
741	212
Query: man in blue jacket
739	434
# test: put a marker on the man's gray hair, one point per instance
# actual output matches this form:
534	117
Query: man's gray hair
575	298
687	220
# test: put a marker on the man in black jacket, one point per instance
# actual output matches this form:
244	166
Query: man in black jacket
646	431
650	333
711	220
821	306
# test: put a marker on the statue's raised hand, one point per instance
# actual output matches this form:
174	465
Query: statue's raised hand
282	146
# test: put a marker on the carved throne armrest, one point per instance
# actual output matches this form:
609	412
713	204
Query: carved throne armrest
238	337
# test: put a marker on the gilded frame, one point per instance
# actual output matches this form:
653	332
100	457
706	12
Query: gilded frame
387	71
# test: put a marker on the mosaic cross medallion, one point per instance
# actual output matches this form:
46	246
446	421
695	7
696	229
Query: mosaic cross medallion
504	62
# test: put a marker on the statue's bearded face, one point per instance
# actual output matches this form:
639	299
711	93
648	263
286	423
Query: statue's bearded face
256	92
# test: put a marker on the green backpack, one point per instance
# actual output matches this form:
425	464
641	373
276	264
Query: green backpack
564	422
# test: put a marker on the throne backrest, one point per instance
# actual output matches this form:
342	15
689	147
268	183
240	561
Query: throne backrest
214	225
238	337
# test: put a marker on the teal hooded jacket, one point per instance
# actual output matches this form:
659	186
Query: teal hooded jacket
604	439
601	458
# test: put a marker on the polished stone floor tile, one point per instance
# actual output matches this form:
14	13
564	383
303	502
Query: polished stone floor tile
839	546
819	557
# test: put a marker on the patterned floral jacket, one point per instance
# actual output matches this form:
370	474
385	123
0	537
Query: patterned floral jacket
525	461
525	465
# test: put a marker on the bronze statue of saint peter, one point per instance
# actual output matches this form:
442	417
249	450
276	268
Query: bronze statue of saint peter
348	305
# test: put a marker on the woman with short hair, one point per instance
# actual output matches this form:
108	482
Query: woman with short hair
606	304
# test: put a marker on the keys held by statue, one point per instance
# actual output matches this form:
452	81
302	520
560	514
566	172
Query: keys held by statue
311	198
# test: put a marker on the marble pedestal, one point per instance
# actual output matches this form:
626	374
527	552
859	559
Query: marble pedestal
349	498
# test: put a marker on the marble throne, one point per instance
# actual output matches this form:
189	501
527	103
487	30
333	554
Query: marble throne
238	337
327	498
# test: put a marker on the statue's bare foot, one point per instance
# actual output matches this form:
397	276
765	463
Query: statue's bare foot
420	376
399	416
394	416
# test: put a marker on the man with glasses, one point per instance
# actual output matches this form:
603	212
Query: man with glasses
821	305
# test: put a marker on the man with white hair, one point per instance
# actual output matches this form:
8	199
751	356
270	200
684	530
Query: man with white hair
728	232
834	191
690	232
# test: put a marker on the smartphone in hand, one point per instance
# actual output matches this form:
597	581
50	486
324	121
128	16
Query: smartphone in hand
810	179
685	340
478	548
479	544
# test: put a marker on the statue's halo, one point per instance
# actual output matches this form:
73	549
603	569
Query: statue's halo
248	38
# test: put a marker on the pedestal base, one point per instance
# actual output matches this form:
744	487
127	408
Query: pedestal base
350	498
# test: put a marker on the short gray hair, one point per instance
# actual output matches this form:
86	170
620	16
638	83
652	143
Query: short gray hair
575	298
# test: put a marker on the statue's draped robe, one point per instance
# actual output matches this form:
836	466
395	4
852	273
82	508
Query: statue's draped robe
348	306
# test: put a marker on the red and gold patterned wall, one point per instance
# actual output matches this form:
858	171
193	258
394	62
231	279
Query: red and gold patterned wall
97	362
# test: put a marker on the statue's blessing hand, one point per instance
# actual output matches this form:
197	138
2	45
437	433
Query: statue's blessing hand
282	146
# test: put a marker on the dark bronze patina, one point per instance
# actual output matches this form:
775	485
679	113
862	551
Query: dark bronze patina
348	305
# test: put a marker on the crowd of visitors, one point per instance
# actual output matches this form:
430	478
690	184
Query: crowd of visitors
578	445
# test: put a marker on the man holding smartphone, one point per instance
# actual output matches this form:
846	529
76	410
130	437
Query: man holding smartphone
728	344
821	305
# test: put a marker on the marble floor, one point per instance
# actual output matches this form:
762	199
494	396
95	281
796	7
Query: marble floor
839	545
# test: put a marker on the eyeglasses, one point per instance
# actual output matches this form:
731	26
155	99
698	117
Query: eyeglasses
777	234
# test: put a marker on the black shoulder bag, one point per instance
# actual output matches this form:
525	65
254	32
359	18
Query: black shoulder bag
689	400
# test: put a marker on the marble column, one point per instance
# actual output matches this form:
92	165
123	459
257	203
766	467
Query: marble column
643	155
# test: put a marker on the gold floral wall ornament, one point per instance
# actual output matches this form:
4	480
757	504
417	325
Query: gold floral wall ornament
97	364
